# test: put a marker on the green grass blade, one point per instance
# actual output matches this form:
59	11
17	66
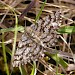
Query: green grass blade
58	59
19	28
8	50
22	70
34	69
15	38
4	54
40	12
67	29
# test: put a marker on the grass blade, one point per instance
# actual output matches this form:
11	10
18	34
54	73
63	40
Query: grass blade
34	69
8	50
22	70
4	54
40	12
67	29
58	59
19	28
15	38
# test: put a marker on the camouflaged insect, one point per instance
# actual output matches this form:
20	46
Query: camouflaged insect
43	34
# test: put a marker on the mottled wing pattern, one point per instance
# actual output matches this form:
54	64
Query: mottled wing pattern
43	33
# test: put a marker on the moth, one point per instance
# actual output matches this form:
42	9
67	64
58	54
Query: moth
36	39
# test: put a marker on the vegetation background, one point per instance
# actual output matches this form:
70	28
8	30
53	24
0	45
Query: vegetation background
12	28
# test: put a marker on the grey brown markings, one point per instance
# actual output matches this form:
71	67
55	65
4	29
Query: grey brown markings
30	47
